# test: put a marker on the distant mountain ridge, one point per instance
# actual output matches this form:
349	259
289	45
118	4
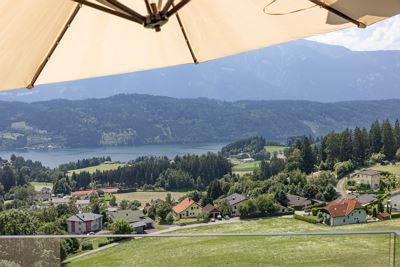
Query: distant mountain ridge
301	70
144	119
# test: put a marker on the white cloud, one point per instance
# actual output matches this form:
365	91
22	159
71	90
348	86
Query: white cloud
384	35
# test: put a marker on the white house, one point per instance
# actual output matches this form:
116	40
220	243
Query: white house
83	223
344	211
234	200
395	201
370	177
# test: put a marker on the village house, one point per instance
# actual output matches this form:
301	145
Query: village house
370	177
344	211
83	223
82	203
59	201
136	219
212	211
187	208
234	200
297	202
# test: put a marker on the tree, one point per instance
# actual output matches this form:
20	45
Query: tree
162	211
113	201
214	190
380	207
134	205
170	218
123	204
309	191
396	133
224	207
281	197
375	139
18	222
377	157
121	228
247	208
329	193
374	212
266	204
359	147
388	141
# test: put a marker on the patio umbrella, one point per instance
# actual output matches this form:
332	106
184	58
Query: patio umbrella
48	41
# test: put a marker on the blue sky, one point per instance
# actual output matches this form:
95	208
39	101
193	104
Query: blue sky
384	35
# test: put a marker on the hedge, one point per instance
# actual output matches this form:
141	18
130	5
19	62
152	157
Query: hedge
87	246
306	219
396	216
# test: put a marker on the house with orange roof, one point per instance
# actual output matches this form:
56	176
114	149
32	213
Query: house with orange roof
344	211
187	208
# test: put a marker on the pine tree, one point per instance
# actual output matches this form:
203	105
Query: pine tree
359	147
396	133
388	142
307	157
375	138
346	146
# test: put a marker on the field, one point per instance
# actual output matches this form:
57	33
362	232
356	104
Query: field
272	149
101	167
243	168
39	185
144	197
395	169
300	251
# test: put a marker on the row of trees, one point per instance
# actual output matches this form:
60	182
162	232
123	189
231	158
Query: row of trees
186	172
84	163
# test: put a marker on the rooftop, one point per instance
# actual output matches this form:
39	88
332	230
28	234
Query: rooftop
183	205
84	217
131	216
235	198
342	207
369	172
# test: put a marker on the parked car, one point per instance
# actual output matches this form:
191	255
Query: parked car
219	217
212	220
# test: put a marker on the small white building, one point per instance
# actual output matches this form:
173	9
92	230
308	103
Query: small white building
247	160
370	177
395	201
83	223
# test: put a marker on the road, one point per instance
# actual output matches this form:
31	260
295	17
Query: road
340	187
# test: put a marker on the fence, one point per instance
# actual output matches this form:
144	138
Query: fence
370	248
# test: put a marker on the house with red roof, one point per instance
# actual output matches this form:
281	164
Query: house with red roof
344	211
187	208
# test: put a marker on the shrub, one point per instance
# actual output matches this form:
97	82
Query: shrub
315	211
104	243
395	216
307	219
87	246
377	157
344	168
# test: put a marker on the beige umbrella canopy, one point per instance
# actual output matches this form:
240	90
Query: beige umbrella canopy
47	41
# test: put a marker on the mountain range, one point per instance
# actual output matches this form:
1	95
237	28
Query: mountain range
145	119
301	70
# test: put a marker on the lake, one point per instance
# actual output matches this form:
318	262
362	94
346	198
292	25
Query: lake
53	158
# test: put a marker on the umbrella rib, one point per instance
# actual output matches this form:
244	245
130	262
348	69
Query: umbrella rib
339	13
187	39
53	48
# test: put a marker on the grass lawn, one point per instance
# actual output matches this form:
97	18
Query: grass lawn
371	250
394	169
272	149
144	197
246	167
39	185
101	167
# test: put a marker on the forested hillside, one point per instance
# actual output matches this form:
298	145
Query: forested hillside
144	119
